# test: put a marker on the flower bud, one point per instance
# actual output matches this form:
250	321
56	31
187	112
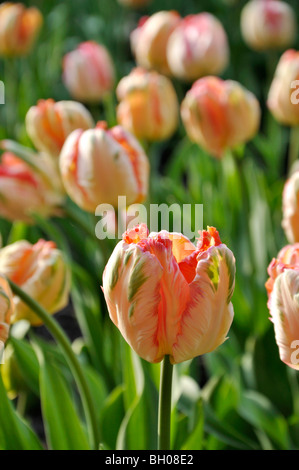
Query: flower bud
290	206
149	40
40	271
6	309
283	292
220	114
88	72
19	27
168	297
49	123
283	94
27	190
100	164
198	46
268	24
148	106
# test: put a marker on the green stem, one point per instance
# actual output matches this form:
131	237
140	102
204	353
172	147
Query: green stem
72	359
164	416
293	148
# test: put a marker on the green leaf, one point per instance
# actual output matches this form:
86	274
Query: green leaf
28	363
259	411
63	428
15	434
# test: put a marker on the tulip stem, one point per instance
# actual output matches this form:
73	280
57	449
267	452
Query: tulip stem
72	360
294	147
164	416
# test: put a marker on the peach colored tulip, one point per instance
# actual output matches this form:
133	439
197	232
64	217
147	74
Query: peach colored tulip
88	72
19	27
149	40
148	105
134	3
100	164
25	190
6	309
49	123
268	24
41	272
220	114
290	204
198	46
168	297
283	289
283	94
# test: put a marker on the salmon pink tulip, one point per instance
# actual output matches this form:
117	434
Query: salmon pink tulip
6	309
168	296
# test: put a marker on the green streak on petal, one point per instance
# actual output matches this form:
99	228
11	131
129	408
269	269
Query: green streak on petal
131	310
137	278
114	274
213	272
127	257
231	267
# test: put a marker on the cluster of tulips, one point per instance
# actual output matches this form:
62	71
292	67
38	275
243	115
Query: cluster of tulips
170	298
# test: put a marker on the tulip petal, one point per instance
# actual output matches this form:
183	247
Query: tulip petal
208	316
284	309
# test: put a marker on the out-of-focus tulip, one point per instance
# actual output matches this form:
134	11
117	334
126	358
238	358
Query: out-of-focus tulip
149	40
283	94
88	72
40	270
19	27
11	373
290	204
283	292
148	105
49	123
6	308
220	114
168	297
268	24
134	3
100	164
25	190
198	46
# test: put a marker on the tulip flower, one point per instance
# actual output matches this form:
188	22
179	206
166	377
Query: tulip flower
100	164
283	96
149	40
6	309
40	271
26	190
220	114
88	72
134	3
49	123
19	27
268	24
290	205
198	46
167	296
283	290
148	105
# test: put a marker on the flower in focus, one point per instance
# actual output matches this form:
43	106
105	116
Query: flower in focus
220	114
198	46
40	270
283	302
88	72
100	164
148	105
268	24
168	297
26	190
6	308
19	27
290	204
134	3
283	97
49	123
149	40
